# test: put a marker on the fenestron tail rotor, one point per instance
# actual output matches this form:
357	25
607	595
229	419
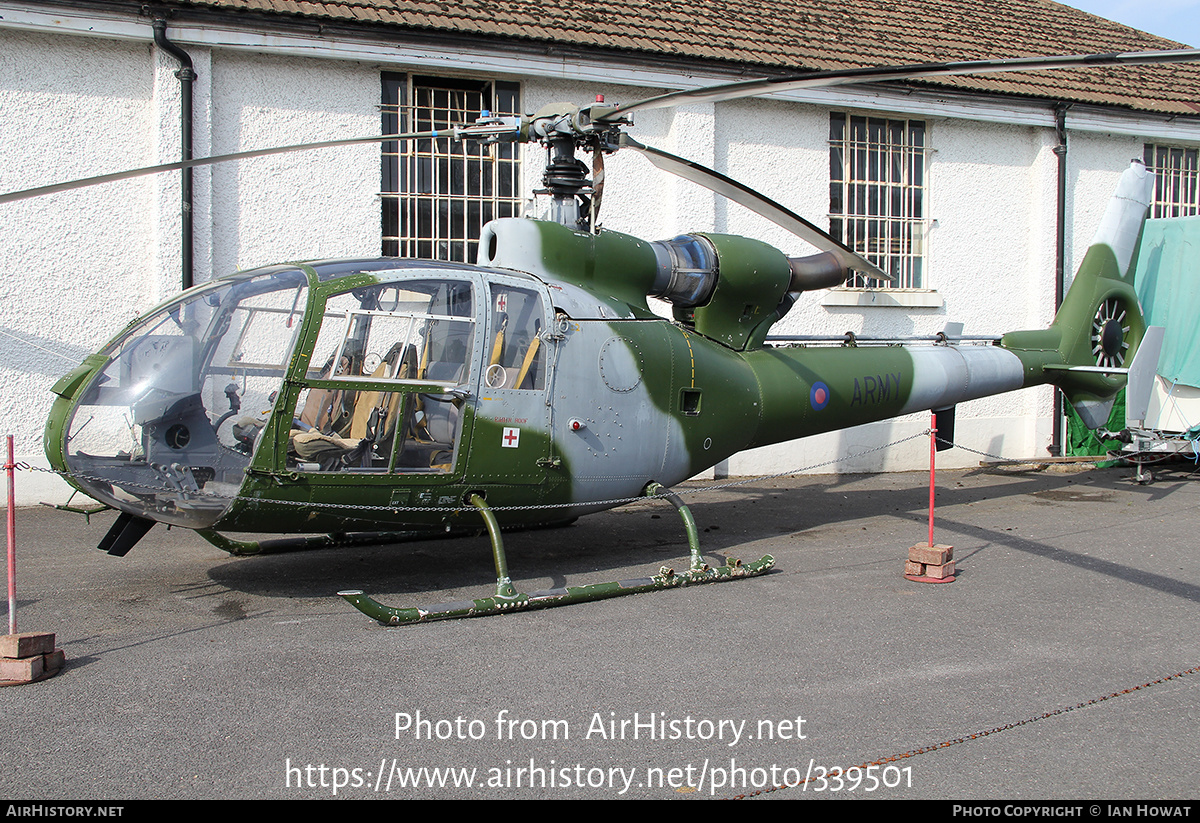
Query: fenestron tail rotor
1110	333
1099	325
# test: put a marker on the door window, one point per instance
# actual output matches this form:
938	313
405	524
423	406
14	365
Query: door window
387	380
515	356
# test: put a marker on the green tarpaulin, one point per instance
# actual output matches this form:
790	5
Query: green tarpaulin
1167	279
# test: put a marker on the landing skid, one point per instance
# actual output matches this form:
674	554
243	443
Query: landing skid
508	599
249	548
666	579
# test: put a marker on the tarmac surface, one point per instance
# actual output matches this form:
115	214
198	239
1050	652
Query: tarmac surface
192	674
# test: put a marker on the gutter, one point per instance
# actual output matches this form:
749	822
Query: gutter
187	76
1060	256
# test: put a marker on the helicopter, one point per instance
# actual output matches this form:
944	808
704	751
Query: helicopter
353	400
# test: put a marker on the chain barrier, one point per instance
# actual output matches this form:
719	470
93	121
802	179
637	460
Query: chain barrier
612	502
607	503
977	735
1095	462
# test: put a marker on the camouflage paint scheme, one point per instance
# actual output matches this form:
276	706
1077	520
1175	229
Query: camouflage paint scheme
630	398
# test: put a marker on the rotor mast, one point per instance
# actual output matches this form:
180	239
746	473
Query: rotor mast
566	181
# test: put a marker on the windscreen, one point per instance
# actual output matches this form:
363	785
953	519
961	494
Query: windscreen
168	427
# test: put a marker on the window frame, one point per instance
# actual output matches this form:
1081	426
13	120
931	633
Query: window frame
402	395
1176	181
436	194
879	195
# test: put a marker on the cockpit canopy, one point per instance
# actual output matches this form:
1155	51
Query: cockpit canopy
154	429
370	361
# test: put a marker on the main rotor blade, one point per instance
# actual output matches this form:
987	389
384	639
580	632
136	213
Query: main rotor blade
835	77
758	203
208	161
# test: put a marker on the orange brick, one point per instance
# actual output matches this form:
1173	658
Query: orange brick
27	644
940	572
23	669
914	568
55	660
931	555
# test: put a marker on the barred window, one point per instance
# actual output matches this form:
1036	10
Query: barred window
877	194
437	194
1176	173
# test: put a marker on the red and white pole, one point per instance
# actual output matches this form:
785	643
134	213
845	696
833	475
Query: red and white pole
932	460
29	657
931	563
9	467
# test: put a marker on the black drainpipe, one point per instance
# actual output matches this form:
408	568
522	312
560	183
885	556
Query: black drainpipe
1060	256
187	76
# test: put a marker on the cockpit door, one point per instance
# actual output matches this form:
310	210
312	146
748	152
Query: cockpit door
389	381
512	436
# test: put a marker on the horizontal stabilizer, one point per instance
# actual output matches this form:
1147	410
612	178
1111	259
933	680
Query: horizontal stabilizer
1086	369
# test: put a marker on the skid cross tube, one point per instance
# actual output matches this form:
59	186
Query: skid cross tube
250	548
507	599
504	586
689	522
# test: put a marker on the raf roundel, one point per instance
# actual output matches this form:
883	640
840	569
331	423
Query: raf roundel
818	398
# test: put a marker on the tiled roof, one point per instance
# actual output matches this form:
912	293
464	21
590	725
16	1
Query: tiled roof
804	34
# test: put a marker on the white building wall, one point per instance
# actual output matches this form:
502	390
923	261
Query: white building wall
316	204
77	266
73	265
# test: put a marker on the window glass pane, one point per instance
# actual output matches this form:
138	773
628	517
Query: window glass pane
410	330
515	357
366	434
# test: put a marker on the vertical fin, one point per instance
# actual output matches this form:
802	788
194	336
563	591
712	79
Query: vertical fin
1100	323
1142	372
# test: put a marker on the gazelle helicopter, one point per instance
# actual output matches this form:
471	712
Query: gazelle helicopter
353	397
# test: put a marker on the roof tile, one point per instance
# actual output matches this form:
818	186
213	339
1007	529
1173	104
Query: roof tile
797	35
